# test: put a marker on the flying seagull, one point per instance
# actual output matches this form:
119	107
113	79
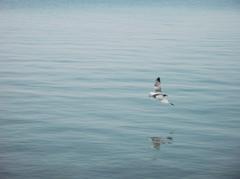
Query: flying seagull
158	94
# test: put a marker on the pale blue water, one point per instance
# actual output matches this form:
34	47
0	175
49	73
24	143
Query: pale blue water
74	84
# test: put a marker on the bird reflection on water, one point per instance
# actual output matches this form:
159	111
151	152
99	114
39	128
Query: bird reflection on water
157	141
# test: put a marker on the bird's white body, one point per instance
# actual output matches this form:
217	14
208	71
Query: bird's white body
160	96
157	94
151	94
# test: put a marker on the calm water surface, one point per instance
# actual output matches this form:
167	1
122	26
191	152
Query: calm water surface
74	84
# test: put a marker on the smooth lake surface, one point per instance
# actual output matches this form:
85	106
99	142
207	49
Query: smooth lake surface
74	84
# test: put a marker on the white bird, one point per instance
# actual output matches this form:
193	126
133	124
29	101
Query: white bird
158	94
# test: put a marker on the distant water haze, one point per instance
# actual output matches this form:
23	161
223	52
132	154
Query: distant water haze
75	78
115	3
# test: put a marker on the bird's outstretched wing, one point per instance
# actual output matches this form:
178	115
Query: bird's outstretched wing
157	85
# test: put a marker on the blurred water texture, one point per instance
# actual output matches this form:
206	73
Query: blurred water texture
74	84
